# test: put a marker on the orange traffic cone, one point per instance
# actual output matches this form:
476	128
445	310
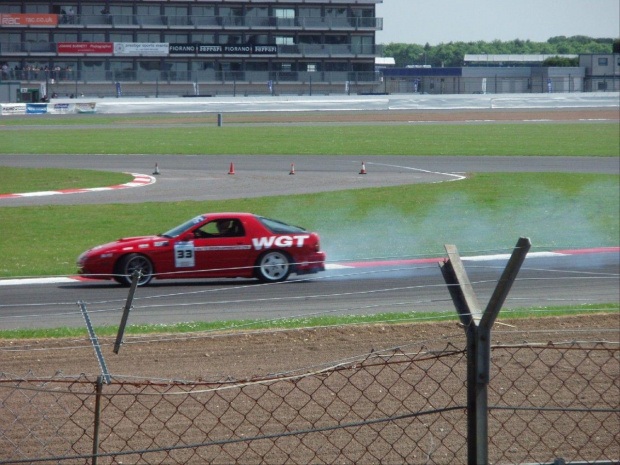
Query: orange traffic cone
363	170
156	169
292	169
232	169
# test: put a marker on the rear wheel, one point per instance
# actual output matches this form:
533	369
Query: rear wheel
273	266
128	264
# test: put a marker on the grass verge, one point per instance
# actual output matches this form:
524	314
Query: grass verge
486	211
567	139
20	180
295	323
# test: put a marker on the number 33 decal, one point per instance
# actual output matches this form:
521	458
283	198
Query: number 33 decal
184	254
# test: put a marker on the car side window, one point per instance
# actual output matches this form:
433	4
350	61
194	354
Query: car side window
220	228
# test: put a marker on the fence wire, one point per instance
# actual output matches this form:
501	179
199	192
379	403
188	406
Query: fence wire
545	401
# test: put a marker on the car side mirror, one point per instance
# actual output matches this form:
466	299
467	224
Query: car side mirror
187	237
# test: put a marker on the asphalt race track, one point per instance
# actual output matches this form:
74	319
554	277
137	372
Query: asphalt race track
545	280
343	289
184	177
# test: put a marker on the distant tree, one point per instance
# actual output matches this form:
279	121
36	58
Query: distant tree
404	54
560	62
452	53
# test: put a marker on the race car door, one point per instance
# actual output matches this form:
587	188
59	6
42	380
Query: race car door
222	248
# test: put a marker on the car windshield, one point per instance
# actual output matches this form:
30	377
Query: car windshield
277	227
180	229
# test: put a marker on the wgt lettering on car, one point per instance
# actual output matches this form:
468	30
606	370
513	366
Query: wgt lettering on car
212	245
280	241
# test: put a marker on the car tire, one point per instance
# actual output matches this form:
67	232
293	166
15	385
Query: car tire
273	266
133	262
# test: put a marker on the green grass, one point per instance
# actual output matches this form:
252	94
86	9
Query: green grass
293	323
486	211
596	139
20	180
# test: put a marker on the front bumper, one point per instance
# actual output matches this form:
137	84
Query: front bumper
311	264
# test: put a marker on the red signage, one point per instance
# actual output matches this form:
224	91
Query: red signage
85	47
18	19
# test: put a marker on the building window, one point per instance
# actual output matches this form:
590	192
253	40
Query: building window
175	38
204	16
94	14
10	9
602	85
283	40
93	70
148	37
119	37
122	14
122	70
233	39
231	16
149	15
7	38
602	61
309	39
310	17
203	38
257	39
93	37
33	9
177	16
38	42
257	66
202	65
284	13
66	37
257	16
336	40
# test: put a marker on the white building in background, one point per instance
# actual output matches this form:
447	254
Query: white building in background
603	71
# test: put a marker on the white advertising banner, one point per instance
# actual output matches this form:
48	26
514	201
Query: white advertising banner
61	108
137	48
13	108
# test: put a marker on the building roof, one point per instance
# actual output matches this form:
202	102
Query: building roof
385	61
514	58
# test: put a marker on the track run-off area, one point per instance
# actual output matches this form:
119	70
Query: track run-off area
363	287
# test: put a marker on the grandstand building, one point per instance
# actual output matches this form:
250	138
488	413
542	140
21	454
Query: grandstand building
189	46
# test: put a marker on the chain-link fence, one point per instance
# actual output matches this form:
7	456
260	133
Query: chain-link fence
545	402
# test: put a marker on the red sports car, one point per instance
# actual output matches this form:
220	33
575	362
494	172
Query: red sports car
213	245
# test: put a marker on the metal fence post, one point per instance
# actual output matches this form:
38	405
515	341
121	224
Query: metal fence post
97	418
135	277
95	342
478	330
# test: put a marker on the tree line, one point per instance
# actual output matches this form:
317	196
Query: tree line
453	53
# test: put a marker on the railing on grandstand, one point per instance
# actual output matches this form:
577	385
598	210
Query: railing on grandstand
199	22
153	76
293	49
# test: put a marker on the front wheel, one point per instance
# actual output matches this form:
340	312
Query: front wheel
273	266
128	264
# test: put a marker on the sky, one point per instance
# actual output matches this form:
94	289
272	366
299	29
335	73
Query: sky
437	21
